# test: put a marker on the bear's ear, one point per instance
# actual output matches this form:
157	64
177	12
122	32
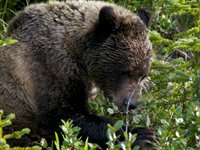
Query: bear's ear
144	15
107	19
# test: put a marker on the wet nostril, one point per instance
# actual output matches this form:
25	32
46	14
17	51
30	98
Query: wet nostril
132	106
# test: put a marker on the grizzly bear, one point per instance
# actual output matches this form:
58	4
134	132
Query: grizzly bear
63	48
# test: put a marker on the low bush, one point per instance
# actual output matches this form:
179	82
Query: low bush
172	106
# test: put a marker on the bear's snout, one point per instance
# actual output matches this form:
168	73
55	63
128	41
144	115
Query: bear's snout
130	103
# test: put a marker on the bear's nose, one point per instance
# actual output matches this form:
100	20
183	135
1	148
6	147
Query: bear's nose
132	104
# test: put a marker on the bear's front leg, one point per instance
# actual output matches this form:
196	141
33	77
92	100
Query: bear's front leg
95	127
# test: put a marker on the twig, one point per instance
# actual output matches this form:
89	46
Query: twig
128	104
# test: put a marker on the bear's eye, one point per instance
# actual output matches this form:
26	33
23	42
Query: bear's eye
126	74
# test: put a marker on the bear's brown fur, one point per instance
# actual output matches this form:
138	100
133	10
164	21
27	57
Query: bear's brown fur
62	49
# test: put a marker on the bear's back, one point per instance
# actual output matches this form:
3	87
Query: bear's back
46	25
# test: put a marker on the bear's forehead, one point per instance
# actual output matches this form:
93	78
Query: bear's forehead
136	49
138	52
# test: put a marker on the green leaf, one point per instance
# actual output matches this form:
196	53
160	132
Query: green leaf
56	142
118	124
137	118
10	41
126	135
179	111
136	148
43	142
109	134
160	131
110	110
148	121
86	144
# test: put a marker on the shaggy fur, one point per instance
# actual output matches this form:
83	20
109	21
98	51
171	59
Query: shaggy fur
62	49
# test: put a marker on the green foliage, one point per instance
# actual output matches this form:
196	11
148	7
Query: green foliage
172	107
7	121
70	139
174	103
114	144
7	41
8	9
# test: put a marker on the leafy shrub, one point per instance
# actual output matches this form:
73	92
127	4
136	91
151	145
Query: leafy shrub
70	140
172	107
7	121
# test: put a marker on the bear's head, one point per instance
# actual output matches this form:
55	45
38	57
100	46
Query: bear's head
121	59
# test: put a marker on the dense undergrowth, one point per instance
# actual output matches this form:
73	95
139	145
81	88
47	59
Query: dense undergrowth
172	105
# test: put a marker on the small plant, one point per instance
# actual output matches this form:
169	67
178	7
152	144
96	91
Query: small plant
71	140
172	107
114	143
7	121
7	41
